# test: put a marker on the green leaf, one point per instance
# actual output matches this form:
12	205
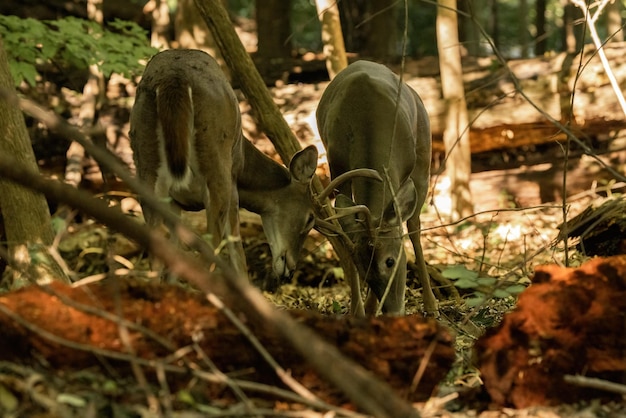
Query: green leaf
486	281
458	271
336	307
465	283
186	397
73	43
8	401
475	301
70	399
516	289
501	293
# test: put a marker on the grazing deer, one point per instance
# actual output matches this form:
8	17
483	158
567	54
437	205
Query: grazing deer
368	118
185	130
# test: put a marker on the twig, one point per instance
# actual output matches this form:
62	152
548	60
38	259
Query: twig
595	383
280	372
591	20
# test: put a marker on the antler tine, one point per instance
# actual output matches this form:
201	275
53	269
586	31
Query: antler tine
359	172
352	210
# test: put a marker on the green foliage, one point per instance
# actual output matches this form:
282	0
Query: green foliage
72	43
482	287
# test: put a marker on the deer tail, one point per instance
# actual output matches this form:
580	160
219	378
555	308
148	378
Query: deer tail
175	114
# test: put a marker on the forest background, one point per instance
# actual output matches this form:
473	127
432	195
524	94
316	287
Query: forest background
545	119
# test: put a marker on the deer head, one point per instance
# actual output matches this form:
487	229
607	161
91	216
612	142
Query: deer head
378	250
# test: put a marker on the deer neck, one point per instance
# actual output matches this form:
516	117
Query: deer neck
259	180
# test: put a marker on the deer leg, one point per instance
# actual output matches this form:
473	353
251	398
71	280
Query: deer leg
223	223
237	254
430	302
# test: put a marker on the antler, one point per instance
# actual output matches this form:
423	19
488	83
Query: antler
359	172
353	210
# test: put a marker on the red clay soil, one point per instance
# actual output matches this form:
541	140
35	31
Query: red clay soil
569	322
76	328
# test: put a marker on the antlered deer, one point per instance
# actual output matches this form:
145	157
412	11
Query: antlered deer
368	118
188	145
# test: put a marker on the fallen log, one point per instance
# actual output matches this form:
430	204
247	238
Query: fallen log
73	328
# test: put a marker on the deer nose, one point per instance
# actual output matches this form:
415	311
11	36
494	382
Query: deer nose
280	266
284	266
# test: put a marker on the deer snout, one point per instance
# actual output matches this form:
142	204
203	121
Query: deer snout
284	265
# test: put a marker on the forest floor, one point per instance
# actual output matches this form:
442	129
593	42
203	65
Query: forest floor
501	241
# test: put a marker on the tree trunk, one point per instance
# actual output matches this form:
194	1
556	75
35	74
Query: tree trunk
614	21
191	32
273	29
456	134
524	36
93	95
383	34
494	30
160	16
332	37
26	216
469	33
352	13
540	23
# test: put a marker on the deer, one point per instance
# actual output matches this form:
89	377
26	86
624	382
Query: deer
368	118
188	147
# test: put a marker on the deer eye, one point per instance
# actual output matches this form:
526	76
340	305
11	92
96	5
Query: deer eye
389	262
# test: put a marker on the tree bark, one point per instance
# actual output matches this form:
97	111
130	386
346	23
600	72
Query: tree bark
191	32
614	21
383	33
541	41
159	12
332	37
273	29
93	96
26	216
456	134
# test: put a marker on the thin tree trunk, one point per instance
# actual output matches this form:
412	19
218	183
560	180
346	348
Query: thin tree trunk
159	13
26	216
456	132
191	32
523	29
614	21
332	37
383	33
93	94
541	40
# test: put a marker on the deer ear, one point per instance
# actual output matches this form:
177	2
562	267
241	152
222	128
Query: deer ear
407	205
303	164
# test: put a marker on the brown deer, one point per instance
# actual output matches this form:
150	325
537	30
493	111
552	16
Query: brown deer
368	118
185	130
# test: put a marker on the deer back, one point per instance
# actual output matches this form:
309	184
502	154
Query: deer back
185	126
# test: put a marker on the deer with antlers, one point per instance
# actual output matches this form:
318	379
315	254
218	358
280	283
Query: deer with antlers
368	118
